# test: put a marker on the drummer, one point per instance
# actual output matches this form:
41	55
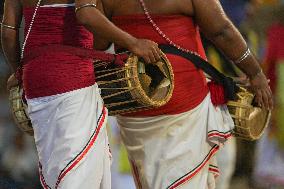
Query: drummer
173	146
64	102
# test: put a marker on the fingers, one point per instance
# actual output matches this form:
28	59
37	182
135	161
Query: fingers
264	98
258	98
153	54
270	101
147	59
269	91
152	57
148	50
157	53
270	98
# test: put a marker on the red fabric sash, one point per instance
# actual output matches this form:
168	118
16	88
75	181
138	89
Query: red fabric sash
80	52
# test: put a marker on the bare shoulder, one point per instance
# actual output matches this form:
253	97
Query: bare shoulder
119	7
108	3
204	6
108	6
208	10
185	6
211	17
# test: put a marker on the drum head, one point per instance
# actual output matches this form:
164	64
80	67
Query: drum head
155	79
154	82
258	121
136	85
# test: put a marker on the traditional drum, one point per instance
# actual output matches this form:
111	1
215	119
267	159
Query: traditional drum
134	86
19	108
250	121
129	88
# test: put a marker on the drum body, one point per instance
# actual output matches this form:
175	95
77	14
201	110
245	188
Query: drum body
19	110
134	86
250	121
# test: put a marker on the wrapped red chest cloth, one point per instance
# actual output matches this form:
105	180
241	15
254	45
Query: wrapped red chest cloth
59	53
190	84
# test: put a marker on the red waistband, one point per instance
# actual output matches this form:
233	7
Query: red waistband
56	69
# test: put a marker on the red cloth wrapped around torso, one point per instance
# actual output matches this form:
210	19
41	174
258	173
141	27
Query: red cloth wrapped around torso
55	72
190	85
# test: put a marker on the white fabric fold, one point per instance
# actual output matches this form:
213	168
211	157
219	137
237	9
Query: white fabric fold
71	139
171	151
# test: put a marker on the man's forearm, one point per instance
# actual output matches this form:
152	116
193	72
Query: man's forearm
230	41
11	47
97	23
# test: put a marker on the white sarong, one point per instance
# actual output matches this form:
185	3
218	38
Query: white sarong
71	139
176	151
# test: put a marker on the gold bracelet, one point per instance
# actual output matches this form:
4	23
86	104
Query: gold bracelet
9	27
243	57
84	6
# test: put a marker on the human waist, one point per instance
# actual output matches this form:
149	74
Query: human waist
56	73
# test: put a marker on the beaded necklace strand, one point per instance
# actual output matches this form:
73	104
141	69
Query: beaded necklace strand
30	28
161	33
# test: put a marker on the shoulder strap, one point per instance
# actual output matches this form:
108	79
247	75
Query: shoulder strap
230	86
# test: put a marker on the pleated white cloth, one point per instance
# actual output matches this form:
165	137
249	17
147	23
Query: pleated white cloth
176	151
71	139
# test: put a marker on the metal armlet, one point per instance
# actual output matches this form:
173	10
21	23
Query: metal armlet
243	57
8	26
84	6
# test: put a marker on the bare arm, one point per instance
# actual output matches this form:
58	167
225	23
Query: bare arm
98	24
101	43
219	29
214	23
10	37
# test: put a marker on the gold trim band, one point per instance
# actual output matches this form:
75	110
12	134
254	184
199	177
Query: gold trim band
84	6
8	26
